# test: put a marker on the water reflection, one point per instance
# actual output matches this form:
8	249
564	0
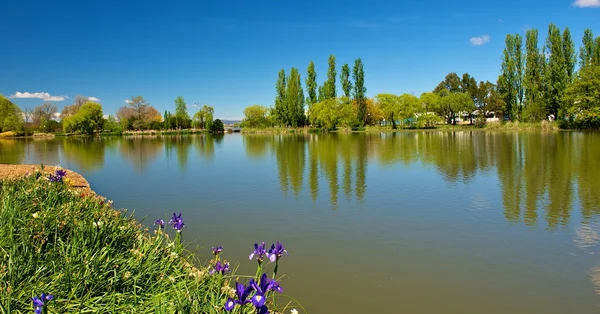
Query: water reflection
540	175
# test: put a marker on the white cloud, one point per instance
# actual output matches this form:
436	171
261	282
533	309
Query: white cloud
44	96
587	3
481	40
93	99
127	101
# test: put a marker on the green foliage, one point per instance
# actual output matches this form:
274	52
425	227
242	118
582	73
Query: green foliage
451	104
10	116
586	51
203	119
256	116
329	87
294	101
311	84
217	126
556	75
281	113
389	105
181	109
510	82
345	79
533	82
111	125
568	51
88	119
582	98
358	75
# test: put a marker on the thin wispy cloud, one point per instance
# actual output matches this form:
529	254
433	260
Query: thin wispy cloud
127	101
93	99
587	3
42	95
365	24
481	40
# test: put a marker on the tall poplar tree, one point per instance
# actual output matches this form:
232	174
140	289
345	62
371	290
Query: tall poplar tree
556	72
587	49
311	84
294	99
596	52
532	82
345	79
510	82
280	105
329	88
568	50
358	75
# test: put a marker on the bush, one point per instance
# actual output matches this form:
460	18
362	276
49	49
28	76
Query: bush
480	121
217	126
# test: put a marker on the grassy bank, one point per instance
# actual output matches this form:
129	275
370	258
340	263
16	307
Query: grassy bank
94	259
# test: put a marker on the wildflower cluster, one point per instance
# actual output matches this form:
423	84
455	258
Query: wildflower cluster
57	176
253	292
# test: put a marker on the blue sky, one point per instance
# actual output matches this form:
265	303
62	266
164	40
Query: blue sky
227	53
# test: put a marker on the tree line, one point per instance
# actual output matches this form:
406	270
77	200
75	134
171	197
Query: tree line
551	82
86	117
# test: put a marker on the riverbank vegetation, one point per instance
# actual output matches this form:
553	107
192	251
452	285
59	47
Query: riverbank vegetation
551	82
535	85
85	256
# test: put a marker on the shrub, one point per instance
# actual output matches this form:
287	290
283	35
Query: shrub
217	126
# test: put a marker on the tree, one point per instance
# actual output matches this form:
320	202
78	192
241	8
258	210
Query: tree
256	116
44	112
596	55
126	116
217	126
568	50
389	105
345	79
583	99
556	76
587	49
510	82
533	80
451	83
280	106
181	109
72	109
139	105
429	102
10	116
88	119
294	100
203	119
450	104
329	87
311	84
358	75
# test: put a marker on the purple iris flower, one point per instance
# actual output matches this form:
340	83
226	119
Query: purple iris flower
57	176
259	251
177	222
217	250
265	285
38	303
258	300
242	292
220	268
160	223
276	251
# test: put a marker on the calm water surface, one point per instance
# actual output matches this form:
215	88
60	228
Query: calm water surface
415	222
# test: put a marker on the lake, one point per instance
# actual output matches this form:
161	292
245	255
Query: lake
410	222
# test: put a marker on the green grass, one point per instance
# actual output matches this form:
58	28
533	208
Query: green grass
93	258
